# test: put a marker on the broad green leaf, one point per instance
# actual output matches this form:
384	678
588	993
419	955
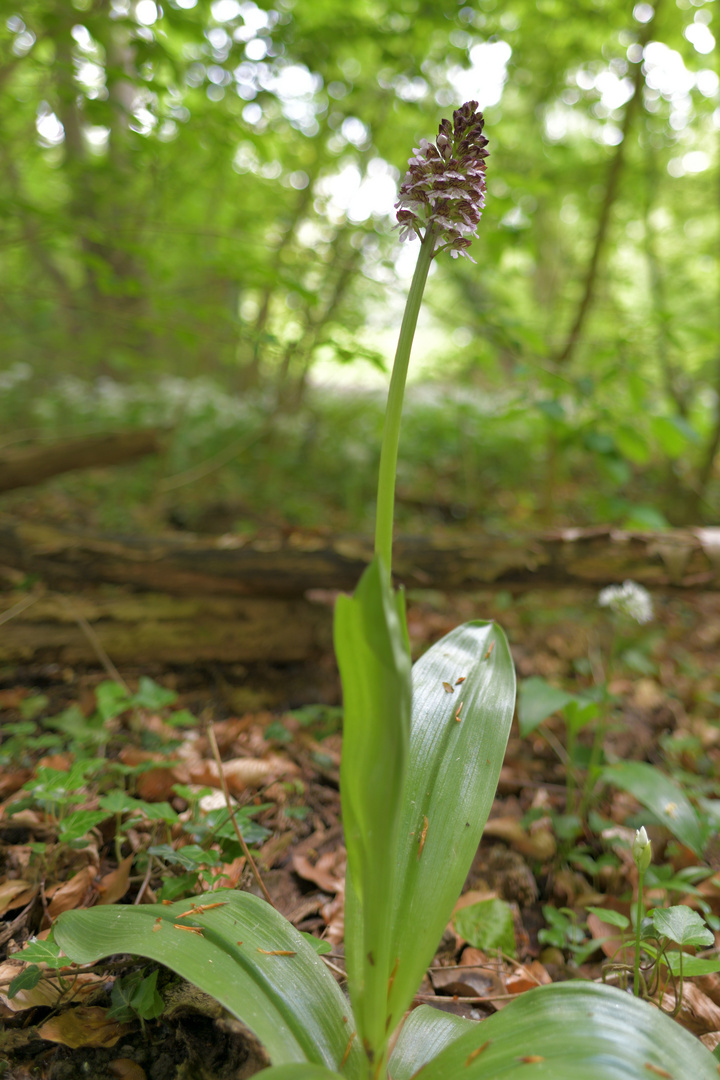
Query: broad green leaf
487	925
683	926
374	662
538	700
457	744
247	956
662	796
424	1034
691	965
567	1031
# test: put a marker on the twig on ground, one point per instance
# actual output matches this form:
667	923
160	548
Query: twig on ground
10	928
17	609
334	967
228	803
95	643
145	883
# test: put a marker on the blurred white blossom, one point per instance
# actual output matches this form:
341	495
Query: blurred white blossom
15	374
628	599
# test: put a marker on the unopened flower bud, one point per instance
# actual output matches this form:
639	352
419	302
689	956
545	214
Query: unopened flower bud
642	850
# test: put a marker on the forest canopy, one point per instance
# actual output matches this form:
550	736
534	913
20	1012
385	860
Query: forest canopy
206	189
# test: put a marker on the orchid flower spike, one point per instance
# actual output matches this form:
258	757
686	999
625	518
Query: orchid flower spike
444	187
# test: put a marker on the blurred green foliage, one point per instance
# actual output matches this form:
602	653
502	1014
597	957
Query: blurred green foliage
203	191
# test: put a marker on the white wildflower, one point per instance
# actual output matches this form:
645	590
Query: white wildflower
628	599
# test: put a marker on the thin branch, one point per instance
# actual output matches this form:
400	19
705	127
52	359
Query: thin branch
205	468
611	188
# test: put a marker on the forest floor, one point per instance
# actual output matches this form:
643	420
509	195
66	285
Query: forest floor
75	740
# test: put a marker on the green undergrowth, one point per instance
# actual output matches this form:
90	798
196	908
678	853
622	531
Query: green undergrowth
84	792
232	461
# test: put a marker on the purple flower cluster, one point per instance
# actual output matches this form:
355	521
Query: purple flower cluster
444	187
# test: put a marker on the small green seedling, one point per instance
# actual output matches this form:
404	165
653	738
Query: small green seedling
653	936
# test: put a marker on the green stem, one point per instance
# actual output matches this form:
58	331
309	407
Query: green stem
679	990
638	922
570	774
596	753
393	411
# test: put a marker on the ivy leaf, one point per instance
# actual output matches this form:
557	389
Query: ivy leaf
112	699
118	802
44	952
151	695
26	980
136	995
191	857
79	823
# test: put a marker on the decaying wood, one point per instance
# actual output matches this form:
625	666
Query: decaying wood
152	628
290	565
31	465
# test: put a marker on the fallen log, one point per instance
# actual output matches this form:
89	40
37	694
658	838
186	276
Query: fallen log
152	628
289	565
31	465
